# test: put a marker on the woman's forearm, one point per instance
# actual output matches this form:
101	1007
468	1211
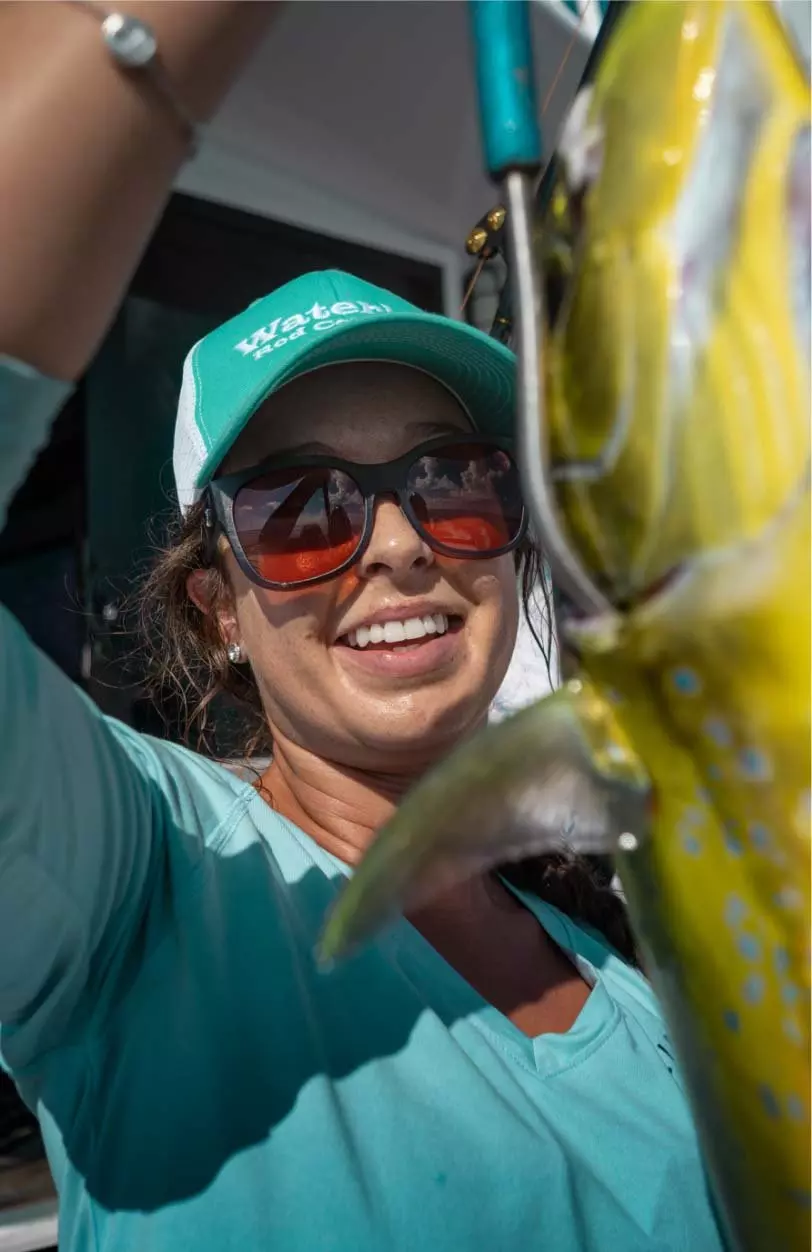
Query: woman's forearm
87	158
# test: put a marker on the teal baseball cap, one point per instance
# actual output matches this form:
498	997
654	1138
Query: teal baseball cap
322	319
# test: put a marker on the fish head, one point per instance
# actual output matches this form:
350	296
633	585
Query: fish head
676	258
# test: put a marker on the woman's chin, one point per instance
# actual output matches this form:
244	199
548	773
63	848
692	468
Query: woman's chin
419	725
414	702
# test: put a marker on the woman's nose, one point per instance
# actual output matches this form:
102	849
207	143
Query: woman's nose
394	546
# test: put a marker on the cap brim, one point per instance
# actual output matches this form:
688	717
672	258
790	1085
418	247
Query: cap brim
477	369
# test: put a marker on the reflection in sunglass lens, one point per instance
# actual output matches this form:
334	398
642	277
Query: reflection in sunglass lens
296	523
467	497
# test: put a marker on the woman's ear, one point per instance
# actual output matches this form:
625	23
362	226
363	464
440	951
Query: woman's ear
204	589
201	590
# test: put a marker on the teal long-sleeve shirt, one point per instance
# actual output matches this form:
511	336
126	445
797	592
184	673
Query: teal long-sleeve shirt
203	1088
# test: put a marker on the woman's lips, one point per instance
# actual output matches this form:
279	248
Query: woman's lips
403	660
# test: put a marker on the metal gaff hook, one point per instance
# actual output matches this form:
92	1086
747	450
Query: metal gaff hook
533	443
512	143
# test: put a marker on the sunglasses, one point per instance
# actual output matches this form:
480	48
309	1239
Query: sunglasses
297	520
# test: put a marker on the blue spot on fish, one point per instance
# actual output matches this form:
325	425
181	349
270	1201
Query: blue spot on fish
735	910
790	994
749	947
691	845
759	836
795	1108
732	841
731	1019
686	681
718	732
769	1101
755	765
714	772
792	1030
753	989
781	958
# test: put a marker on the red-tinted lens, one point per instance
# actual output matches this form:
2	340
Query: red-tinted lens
297	523
467	497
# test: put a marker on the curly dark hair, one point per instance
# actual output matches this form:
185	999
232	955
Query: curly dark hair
187	664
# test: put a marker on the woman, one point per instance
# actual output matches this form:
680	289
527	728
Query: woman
489	1074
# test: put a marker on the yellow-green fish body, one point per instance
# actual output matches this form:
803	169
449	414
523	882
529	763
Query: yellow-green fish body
719	886
679	407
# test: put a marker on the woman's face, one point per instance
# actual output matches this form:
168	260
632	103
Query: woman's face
394	706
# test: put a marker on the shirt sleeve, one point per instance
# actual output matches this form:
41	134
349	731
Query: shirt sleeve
80	815
80	832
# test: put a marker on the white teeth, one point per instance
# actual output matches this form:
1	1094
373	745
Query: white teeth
414	628
394	632
398	632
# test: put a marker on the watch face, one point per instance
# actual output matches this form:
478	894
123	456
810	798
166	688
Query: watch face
130	41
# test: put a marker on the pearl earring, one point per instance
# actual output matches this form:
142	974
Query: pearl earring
234	653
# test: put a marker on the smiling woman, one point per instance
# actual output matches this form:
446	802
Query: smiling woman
354	481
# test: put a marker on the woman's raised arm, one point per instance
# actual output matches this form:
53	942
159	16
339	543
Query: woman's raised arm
88	152
87	157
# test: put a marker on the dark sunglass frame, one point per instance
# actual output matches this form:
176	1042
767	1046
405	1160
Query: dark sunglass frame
388	478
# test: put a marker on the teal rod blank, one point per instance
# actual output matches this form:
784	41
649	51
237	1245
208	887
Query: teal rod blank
503	55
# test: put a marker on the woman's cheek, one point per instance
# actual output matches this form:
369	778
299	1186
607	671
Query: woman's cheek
482	582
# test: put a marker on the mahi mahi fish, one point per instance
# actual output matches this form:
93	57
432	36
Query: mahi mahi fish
676	360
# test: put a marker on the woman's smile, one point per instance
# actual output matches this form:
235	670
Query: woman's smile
413	639
403	653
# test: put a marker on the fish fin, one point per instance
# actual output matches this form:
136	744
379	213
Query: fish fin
552	778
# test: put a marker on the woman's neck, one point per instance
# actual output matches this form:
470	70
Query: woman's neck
341	808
